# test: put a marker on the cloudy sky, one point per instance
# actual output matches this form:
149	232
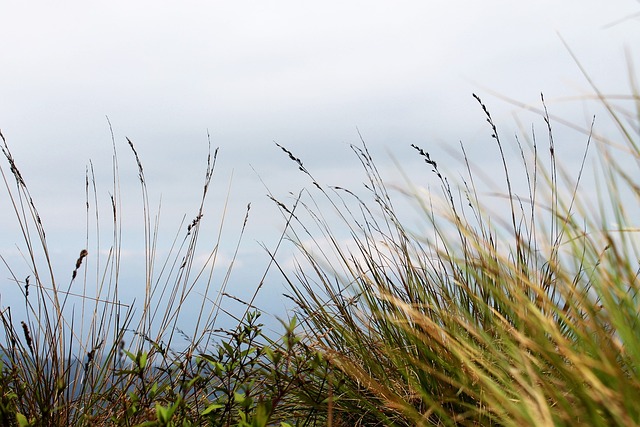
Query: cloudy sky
307	75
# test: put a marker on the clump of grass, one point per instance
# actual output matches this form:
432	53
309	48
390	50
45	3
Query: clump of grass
480	318
78	355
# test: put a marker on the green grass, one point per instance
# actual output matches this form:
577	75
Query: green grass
475	310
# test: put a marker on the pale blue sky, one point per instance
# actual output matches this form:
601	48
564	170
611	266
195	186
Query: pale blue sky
303	74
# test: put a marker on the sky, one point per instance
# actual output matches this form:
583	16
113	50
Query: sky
310	76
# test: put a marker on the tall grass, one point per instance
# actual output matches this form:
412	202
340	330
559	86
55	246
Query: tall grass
516	310
523	316
76	354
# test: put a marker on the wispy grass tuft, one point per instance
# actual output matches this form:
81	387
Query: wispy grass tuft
78	355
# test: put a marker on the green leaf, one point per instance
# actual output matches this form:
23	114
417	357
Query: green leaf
154	391
227	347
211	408
162	414
194	380
142	361
22	420
262	414
239	397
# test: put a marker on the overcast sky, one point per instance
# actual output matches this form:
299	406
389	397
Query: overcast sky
306	75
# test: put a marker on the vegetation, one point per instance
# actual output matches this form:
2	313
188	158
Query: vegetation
529	318
112	366
477	318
